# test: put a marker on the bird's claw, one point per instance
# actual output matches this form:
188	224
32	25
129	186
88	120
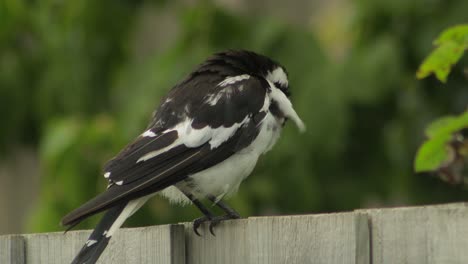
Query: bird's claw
214	221
197	223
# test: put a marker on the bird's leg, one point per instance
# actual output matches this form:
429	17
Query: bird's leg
228	210
230	213
207	215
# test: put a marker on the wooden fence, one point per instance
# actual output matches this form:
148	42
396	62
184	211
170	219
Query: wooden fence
430	234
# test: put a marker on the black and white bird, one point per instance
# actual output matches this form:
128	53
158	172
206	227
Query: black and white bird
203	140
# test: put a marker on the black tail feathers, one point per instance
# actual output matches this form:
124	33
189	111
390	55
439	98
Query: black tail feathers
98	240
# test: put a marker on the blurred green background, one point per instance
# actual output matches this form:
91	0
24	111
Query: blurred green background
79	79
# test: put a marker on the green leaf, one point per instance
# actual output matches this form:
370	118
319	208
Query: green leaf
458	34
447	125
433	154
436	152
450	47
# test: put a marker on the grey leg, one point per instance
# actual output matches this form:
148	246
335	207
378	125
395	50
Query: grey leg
207	215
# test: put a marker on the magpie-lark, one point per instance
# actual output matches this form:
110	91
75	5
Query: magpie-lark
203	140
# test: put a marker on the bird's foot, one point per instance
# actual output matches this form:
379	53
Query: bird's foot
213	220
218	219
197	223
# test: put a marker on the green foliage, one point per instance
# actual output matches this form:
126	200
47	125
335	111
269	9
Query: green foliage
437	151
451	45
433	154
447	125
72	149
443	152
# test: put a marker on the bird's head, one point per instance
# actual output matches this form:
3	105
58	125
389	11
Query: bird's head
242	62
277	79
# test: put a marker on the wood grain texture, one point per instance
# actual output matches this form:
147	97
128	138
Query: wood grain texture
157	244
12	249
53	248
329	238
363	232
162	244
229	246
429	234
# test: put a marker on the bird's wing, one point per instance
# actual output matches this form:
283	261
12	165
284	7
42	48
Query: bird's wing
206	127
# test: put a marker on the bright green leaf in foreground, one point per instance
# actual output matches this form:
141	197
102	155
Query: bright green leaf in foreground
437	152
457	34
447	125
450	47
433	154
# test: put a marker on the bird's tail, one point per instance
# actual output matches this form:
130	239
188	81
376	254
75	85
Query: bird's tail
109	224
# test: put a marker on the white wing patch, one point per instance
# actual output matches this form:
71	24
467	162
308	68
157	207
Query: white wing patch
107	175
90	242
119	182
148	133
233	79
155	153
193	138
220	134
186	135
189	136
212	99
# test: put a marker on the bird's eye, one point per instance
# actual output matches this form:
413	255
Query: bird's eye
283	88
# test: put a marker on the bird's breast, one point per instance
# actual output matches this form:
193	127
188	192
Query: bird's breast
224	178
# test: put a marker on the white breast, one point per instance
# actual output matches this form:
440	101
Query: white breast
225	177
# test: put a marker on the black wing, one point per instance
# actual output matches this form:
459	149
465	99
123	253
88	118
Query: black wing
161	156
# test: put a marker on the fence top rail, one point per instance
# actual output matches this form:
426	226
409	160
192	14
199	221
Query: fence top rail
418	234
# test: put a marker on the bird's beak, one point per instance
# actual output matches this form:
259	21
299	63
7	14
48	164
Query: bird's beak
286	108
296	119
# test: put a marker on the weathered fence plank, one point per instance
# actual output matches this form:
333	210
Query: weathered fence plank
229	246
284	239
157	244
430	234
12	249
306	239
53	248
363	243
165	245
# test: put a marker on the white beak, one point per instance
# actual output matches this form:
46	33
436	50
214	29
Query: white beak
285	106
294	117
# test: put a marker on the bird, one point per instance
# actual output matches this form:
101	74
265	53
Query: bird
203	140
